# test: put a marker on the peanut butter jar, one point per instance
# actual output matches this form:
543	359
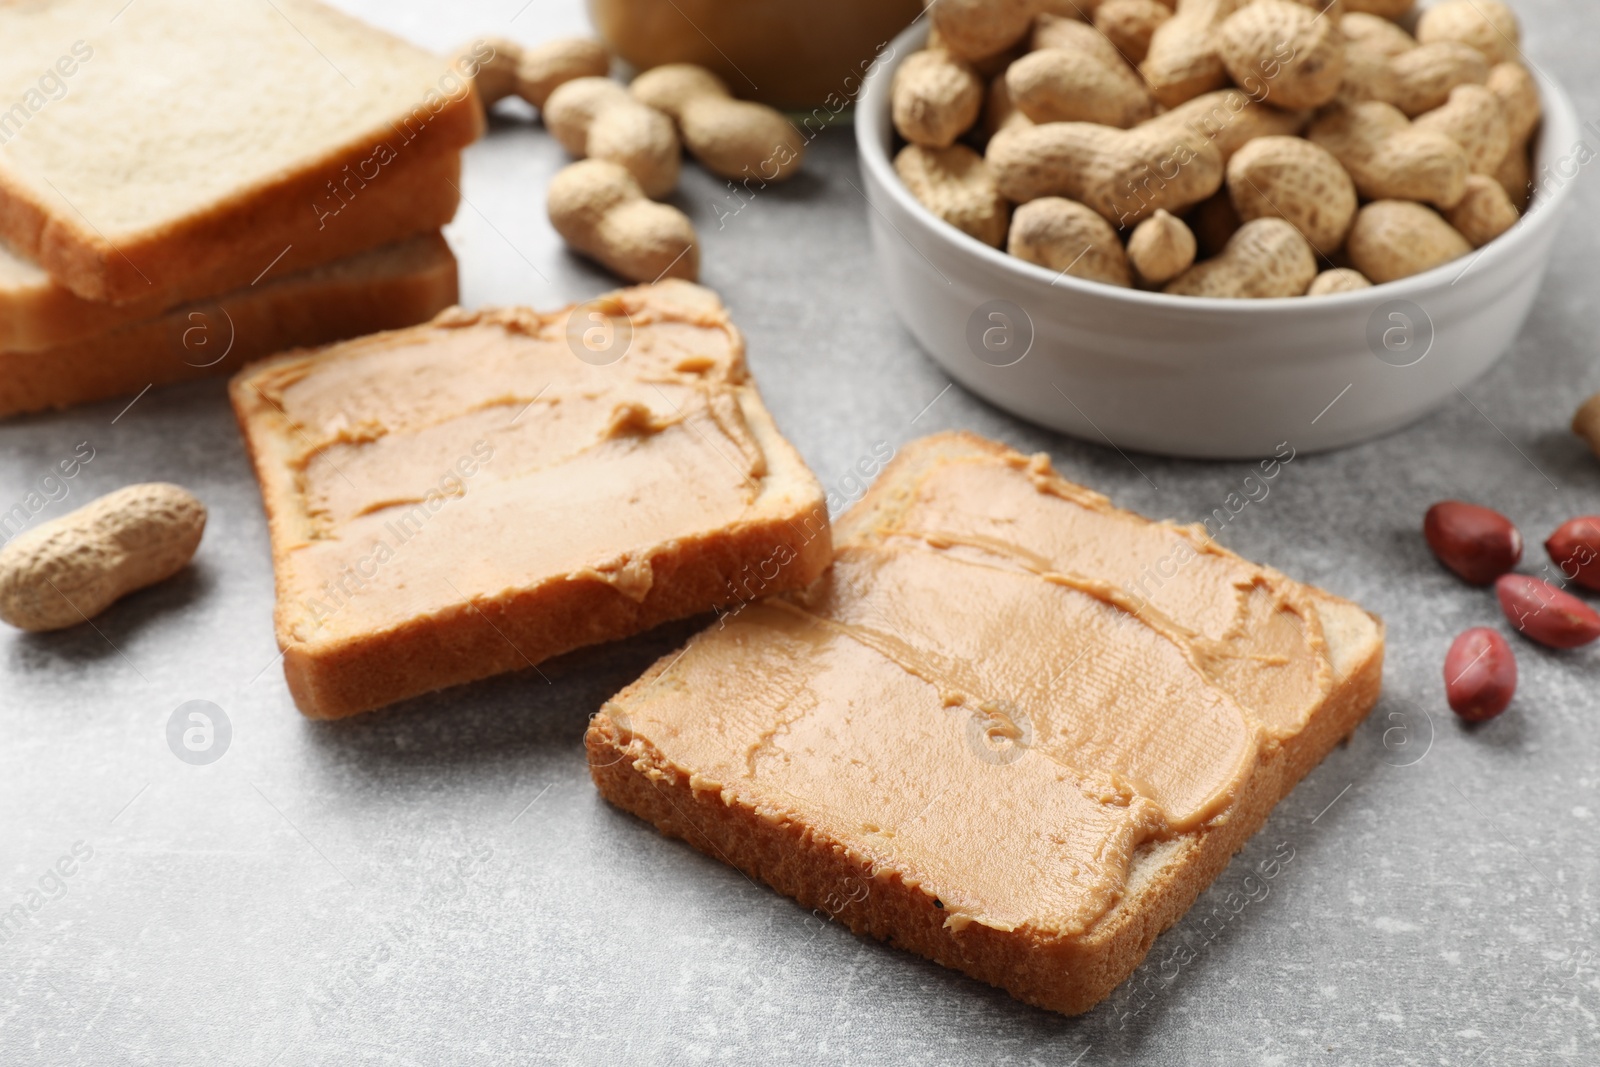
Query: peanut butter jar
794	56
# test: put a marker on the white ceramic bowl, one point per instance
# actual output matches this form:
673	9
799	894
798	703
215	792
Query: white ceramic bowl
1188	376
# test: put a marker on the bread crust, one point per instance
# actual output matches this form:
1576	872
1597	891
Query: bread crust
1065	974
384	289
521	627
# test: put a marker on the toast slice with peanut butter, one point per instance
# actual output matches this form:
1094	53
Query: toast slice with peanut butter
1013	728
480	493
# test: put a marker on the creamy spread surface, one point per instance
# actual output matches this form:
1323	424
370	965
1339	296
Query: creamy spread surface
988	697
481	456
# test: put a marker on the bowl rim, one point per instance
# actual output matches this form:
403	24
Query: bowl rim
873	131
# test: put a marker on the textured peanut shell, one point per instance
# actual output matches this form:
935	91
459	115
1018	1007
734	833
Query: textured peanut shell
73	568
1518	94
955	184
1338	280
934	98
555	63
641	139
1229	119
1295	55
669	87
736	139
1183	60
1161	248
571	107
1068	85
1063	235
1487	25
1394	239
1374	34
733	139
1388	158
976	29
1125	175
1265	258
1474	119
1516	176
1421	79
496	77
1130	24
1295	180
1485	212
1058	31
1586	422
599	209
595	118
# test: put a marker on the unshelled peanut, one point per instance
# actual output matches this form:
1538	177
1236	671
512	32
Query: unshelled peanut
1182	61
1229	119
956	185
1125	175
595	118
1374	34
1394	239
1129	24
935	98
600	210
1161	248
1421	79
1067	237
1586	423
491	63
1474	119
1283	53
1487	25
1295	180
1389	158
1265	258
1078	85
1484	213
733	139
545	67
1338	280
72	568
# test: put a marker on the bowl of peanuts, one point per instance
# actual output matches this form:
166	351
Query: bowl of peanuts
1214	230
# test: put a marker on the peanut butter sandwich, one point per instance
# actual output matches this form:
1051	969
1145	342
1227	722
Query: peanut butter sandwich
488	490
993	733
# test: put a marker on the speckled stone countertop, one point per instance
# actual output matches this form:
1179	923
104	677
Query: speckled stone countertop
440	882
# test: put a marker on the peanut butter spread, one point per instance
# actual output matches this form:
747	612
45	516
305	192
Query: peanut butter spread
989	698
494	452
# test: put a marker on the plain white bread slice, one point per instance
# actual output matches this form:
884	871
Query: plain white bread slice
145	144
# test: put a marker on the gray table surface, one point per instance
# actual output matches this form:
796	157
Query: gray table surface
440	882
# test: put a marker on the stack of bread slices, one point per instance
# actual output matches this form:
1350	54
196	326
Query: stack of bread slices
187	186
